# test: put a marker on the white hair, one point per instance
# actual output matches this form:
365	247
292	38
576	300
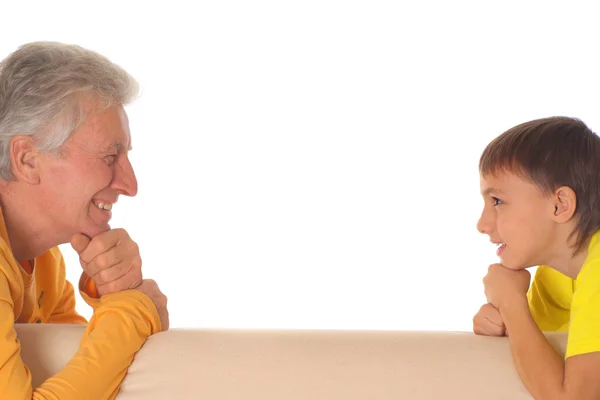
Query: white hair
43	86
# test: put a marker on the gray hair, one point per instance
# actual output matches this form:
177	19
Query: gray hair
43	86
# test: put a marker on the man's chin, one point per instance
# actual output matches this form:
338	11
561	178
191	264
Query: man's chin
95	230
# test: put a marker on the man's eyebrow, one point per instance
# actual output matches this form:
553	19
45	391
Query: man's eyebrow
119	147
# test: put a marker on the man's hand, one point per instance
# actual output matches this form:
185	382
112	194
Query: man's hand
150	288
488	321
503	285
111	259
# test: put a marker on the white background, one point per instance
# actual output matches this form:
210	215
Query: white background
313	164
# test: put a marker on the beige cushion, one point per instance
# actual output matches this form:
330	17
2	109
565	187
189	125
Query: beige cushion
299	365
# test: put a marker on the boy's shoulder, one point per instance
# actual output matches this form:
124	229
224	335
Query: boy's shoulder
551	286
550	277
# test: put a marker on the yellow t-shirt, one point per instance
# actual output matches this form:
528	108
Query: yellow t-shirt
559	303
39	292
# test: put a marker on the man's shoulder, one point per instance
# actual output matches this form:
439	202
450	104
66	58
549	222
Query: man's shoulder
8	264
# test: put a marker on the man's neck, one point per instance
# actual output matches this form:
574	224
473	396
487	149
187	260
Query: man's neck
24	226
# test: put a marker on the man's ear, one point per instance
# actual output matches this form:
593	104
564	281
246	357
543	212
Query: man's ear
565	204
24	158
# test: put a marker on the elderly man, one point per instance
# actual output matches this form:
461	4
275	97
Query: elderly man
64	142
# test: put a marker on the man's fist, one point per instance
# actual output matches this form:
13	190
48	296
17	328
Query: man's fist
150	288
488	321
111	259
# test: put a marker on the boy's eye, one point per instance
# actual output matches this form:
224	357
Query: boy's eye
110	160
497	201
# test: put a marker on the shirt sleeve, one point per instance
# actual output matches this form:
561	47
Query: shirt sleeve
584	329
88	291
117	330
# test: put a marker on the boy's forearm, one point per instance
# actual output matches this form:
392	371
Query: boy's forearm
541	369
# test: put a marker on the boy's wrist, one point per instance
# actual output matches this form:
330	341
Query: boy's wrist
514	304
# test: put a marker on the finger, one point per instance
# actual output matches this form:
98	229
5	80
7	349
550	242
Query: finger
112	273
492	314
495	324
110	258
122	282
165	324
488	330
79	242
480	329
101	243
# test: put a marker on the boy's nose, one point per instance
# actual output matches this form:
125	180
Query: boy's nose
483	224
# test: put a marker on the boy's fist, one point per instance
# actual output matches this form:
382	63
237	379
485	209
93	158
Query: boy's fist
488	322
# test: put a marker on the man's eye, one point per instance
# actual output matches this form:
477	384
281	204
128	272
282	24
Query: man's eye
497	201
110	160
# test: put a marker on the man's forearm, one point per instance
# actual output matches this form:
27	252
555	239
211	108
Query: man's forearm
541	369
119	327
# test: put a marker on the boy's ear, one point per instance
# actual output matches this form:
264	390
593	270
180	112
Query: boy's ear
565	204
24	159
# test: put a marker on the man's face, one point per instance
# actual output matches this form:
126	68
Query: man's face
80	183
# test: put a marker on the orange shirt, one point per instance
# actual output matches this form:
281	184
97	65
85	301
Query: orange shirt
40	293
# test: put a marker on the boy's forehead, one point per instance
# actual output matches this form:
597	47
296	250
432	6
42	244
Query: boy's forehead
495	183
502	182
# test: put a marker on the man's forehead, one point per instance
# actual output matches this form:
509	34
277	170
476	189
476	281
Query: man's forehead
108	129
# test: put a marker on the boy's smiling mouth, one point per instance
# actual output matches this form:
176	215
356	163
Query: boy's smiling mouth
501	246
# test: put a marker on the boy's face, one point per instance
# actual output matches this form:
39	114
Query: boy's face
517	216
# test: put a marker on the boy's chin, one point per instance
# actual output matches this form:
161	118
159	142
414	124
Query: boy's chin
515	265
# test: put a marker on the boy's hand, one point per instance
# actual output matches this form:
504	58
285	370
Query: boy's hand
503	285
111	259
488	321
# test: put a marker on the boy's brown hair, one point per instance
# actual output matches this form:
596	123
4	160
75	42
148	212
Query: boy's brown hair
550	153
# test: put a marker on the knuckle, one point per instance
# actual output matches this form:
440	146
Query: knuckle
97	246
101	262
136	262
122	233
103	276
112	287
136	275
134	246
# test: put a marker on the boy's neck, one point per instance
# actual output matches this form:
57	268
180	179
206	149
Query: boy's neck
566	260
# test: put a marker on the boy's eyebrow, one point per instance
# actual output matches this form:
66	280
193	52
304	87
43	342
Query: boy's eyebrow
491	190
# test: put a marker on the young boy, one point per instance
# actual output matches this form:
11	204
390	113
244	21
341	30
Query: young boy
540	181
